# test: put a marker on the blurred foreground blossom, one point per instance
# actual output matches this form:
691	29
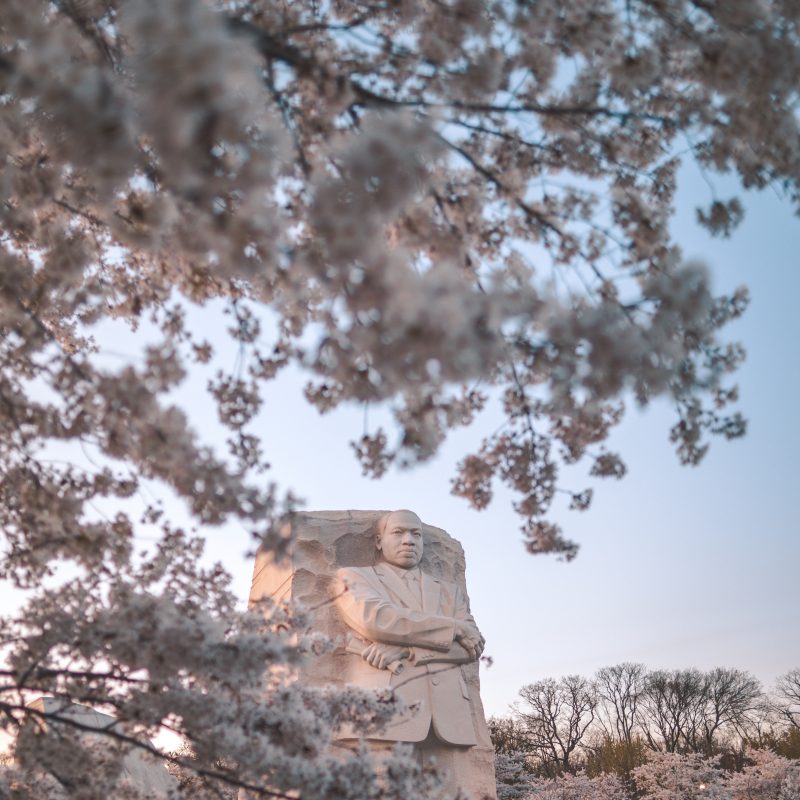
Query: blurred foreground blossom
431	206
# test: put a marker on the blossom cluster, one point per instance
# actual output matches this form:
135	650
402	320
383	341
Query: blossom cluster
665	776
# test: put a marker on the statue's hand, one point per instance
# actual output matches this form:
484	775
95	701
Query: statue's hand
381	656
471	639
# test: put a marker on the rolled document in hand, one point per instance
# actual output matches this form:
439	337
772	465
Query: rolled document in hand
358	646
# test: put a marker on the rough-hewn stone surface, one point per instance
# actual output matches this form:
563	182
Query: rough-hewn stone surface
328	540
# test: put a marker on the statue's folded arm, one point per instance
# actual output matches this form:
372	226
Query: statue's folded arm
375	618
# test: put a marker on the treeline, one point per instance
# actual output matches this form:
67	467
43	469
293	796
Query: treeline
622	717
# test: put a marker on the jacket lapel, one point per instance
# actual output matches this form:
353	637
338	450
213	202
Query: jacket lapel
396	586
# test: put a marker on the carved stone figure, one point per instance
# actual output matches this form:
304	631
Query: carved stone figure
401	612
411	631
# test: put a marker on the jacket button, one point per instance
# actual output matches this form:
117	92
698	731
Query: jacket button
435	681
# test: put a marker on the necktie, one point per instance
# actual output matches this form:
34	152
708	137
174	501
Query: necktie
412	582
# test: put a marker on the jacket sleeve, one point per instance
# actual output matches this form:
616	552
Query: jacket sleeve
456	654
371	614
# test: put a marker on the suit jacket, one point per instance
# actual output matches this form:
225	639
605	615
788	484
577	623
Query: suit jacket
378	606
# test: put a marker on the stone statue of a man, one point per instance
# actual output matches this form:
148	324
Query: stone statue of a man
402	616
412	631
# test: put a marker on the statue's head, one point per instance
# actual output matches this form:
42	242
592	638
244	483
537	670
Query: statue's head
399	539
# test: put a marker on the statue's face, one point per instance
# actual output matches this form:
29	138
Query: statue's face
400	541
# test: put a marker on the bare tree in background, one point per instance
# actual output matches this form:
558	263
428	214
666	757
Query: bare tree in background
787	697
557	715
619	690
672	709
509	735
732	698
